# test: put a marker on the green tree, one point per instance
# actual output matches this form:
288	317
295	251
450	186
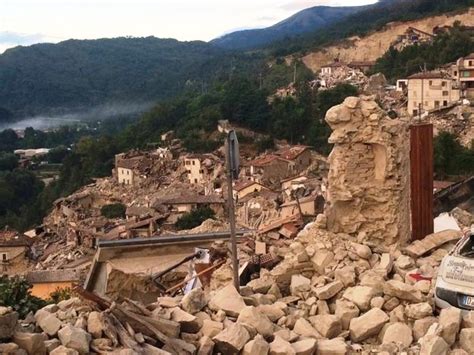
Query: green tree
114	210
194	218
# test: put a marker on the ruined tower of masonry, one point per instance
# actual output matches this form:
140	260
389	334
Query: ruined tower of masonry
368	189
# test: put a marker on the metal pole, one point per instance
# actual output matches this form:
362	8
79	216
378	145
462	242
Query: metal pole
230	201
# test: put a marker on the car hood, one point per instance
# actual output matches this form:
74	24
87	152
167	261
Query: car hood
458	270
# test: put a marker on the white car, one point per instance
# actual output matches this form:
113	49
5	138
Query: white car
455	280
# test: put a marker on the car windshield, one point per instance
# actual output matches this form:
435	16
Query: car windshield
467	249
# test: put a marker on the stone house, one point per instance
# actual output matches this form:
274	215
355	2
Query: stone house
200	167
466	76
244	188
186	203
310	206
268	168
14	249
429	91
45	282
329	69
298	156
411	37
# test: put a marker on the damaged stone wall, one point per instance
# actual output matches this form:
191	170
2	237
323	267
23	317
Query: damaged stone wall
368	183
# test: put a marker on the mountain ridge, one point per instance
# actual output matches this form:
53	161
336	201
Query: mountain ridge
304	21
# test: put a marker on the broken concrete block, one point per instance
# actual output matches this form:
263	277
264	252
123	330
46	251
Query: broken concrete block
75	338
450	320
250	315
367	325
421	326
281	347
232	339
432	241
228	300
402	291
346	310
188	322
335	346
62	350
9	348
398	333
360	296
299	284
433	345
328	291
377	302
95	324
346	275
33	343
257	346
386	264
304	328
194	301
418	310
51	344
48	322
304	347
206	346
362	251
8	322
321	259
466	339
329	326
211	328
261	285
468	319
272	311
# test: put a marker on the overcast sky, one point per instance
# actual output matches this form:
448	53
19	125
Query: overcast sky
24	22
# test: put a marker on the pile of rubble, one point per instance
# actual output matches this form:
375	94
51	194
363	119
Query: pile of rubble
330	295
458	120
343	74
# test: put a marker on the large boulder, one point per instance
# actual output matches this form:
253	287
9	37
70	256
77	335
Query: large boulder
418	310
304	328
433	345
280	346
75	338
232	339
398	333
257	346
48	322
335	346
328	291
402	291
450	321
421	326
8	322
250	315
194	301
228	300
360	296
188	322
346	310
466	339
368	324
95	324
62	350
211	328
33	343
304	347
328	325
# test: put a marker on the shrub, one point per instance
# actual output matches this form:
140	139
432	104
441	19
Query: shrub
15	292
194	218
114	210
61	294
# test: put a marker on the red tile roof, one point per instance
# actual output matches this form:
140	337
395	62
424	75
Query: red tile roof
239	186
429	75
13	239
265	160
291	153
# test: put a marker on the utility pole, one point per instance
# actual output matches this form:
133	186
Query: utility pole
232	165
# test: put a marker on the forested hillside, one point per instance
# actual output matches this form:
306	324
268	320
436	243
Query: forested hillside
446	48
371	19
75	74
308	20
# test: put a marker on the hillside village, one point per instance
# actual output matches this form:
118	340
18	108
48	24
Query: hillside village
337	255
